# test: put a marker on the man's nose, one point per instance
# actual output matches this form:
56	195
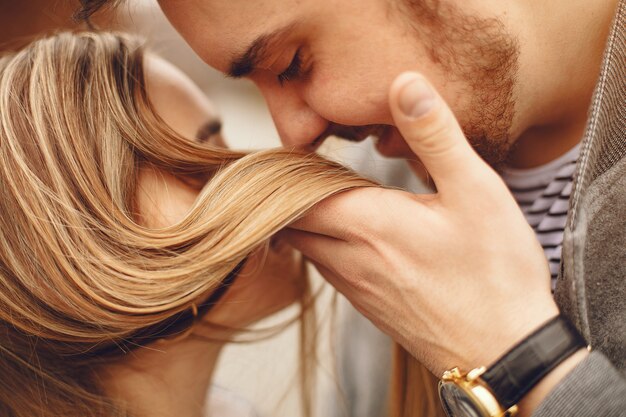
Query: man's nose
297	123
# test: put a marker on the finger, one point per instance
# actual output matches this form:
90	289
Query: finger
318	248
433	133
343	286
330	257
327	218
332	278
347	215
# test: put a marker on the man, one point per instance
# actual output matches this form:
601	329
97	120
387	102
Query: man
459	278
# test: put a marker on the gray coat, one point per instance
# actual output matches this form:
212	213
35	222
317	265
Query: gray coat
592	287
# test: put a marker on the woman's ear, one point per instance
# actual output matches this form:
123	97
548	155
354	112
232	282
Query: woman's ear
162	199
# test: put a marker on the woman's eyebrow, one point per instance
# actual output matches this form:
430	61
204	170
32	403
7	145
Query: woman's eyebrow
208	129
248	61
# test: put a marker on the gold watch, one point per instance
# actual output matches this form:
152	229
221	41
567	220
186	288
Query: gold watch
467	395
496	391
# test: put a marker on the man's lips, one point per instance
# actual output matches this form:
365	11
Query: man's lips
358	134
388	140
351	133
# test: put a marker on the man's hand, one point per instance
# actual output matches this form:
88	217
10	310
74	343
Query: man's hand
457	277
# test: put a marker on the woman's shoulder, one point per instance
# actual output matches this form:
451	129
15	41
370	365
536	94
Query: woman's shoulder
225	403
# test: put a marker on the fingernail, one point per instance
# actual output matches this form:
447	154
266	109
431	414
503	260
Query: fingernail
417	98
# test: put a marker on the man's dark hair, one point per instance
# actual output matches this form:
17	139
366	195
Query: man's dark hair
90	7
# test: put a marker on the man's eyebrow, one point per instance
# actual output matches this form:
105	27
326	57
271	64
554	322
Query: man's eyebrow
247	62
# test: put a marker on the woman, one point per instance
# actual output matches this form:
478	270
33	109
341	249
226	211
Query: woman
128	239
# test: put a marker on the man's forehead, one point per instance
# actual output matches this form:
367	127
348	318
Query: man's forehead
221	30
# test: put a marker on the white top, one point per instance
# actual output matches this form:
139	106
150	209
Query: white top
224	403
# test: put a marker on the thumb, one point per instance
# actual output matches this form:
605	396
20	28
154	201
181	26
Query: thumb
433	133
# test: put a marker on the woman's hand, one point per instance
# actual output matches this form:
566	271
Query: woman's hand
457	277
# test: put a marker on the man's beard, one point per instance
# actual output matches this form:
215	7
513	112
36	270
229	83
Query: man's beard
478	53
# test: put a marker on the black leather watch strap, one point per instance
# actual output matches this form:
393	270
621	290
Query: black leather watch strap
519	370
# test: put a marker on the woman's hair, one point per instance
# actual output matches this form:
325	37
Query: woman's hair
79	275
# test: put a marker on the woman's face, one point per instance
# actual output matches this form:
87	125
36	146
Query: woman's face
271	279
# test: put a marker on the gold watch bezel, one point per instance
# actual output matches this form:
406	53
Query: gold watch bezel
477	390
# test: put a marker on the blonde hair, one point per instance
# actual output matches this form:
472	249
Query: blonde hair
78	272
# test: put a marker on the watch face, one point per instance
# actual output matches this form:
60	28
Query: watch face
456	402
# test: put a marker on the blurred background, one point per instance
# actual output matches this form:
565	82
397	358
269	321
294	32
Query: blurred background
263	373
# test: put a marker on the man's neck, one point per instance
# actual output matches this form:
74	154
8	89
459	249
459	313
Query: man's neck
553	141
565	50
